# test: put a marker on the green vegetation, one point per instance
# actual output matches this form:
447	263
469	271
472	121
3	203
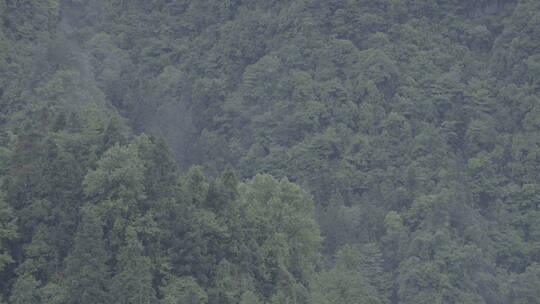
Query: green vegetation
249	151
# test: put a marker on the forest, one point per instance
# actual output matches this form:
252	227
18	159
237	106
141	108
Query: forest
270	151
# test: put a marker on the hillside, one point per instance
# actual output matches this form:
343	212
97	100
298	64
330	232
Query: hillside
249	151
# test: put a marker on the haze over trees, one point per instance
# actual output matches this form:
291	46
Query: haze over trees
262	152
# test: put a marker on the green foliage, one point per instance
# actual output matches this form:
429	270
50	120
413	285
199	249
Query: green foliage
183	290
405	132
25	290
133	280
87	274
249	297
523	287
8	231
349	280
280	216
116	186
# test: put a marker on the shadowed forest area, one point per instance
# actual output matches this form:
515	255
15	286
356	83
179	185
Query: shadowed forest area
265	152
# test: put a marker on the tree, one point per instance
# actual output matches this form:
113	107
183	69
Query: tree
87	274
183	290
116	186
524	286
8	232
132	284
25	290
351	280
279	216
249	297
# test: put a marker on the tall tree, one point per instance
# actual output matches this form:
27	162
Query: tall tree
87	274
116	187
132	283
279	216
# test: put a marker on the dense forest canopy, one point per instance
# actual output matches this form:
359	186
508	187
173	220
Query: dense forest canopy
261	151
